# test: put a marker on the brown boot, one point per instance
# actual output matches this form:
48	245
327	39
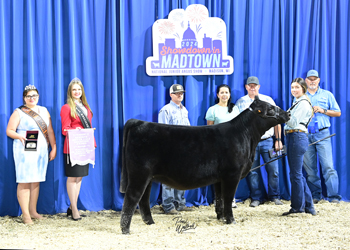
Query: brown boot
185	209
172	211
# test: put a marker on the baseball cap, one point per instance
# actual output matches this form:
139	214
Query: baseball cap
312	73
252	79
176	88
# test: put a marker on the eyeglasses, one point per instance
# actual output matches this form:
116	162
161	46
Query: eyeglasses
178	94
28	97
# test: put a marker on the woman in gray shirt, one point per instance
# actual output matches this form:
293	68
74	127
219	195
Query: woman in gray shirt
297	144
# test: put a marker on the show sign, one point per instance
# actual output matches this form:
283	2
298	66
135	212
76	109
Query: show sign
189	42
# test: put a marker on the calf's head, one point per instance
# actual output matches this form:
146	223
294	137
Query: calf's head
272	114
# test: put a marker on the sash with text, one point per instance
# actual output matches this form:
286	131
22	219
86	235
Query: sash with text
39	121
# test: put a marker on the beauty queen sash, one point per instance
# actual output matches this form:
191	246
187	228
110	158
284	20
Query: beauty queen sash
39	121
83	118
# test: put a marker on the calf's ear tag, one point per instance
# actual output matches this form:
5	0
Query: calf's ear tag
259	111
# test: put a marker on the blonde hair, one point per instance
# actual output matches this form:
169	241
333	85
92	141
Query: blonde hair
70	99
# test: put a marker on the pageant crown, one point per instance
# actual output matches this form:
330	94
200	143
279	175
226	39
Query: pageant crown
75	79
29	87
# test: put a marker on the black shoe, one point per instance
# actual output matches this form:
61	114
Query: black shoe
292	211
315	201
75	219
69	211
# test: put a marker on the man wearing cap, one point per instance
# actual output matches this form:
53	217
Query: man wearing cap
266	143
325	106
176	114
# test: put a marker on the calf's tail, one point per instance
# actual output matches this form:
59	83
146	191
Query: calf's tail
124	174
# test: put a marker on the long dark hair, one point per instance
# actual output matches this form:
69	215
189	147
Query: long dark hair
230	105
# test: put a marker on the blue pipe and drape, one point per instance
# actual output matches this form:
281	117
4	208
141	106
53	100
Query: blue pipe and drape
105	43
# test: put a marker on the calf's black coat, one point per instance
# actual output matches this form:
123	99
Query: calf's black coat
186	157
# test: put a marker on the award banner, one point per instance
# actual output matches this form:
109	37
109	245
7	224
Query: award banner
81	146
189	42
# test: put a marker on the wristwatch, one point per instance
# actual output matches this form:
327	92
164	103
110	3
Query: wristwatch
325	111
278	139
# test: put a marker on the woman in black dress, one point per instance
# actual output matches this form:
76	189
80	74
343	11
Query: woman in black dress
70	119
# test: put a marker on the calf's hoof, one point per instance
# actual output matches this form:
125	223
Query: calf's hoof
230	221
149	222
125	231
219	216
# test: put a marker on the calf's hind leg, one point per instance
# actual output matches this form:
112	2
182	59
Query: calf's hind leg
133	195
144	206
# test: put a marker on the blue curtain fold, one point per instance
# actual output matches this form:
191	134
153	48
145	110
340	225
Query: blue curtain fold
105	43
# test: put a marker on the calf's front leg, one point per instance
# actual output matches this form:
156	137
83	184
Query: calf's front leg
228	191
219	206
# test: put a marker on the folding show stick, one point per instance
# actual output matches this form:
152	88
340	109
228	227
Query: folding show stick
281	156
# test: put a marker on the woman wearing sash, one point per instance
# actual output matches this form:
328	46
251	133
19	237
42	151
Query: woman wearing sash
31	156
297	144
76	114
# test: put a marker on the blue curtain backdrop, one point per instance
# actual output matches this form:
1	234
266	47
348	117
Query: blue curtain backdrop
105	43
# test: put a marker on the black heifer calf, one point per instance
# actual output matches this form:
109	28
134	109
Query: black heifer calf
187	157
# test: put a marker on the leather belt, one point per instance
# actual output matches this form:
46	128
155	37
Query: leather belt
265	139
294	130
322	128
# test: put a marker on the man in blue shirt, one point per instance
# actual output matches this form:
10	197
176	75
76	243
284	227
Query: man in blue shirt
176	114
266	143
325	106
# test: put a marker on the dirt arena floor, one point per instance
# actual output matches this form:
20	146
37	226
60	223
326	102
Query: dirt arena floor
262	227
